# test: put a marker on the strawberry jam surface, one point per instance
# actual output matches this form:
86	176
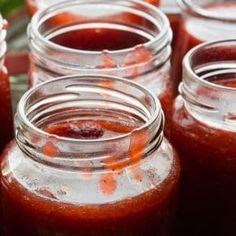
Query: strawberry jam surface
196	30
208	156
89	129
79	130
137	199
98	39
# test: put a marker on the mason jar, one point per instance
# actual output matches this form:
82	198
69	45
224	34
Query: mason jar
204	134
131	40
89	159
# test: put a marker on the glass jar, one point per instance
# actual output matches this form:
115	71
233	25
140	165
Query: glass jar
172	10
6	125
202	21
34	5
130	40
204	134
90	159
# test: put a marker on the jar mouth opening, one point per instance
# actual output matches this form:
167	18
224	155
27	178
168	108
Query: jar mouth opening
155	114
214	71
163	35
202	11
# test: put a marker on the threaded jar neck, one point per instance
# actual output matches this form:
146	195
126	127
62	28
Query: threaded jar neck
75	121
209	83
140	19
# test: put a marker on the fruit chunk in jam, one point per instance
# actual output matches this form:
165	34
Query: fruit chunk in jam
77	130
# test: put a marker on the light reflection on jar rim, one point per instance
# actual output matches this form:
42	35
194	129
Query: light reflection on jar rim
199	11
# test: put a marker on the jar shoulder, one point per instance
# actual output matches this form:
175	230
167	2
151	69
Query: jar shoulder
155	175
195	131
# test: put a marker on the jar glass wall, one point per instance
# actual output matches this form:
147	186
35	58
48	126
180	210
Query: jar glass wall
131	40
90	159
204	133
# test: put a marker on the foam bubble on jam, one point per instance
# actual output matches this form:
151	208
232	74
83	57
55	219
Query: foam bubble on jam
207	30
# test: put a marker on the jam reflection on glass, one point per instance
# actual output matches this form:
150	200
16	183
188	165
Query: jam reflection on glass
6	125
104	189
218	24
204	135
129	46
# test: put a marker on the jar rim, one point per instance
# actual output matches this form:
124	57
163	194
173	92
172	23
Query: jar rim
164	32
83	94
156	116
190	72
203	12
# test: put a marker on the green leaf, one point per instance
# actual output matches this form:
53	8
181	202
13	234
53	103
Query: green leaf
7	6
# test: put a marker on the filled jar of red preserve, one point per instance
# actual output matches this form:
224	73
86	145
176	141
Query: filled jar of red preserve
6	126
131	40
89	159
204	134
202	21
34	5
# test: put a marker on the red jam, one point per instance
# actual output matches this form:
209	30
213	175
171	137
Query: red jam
6	124
88	129
97	204
98	39
208	158
196	30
